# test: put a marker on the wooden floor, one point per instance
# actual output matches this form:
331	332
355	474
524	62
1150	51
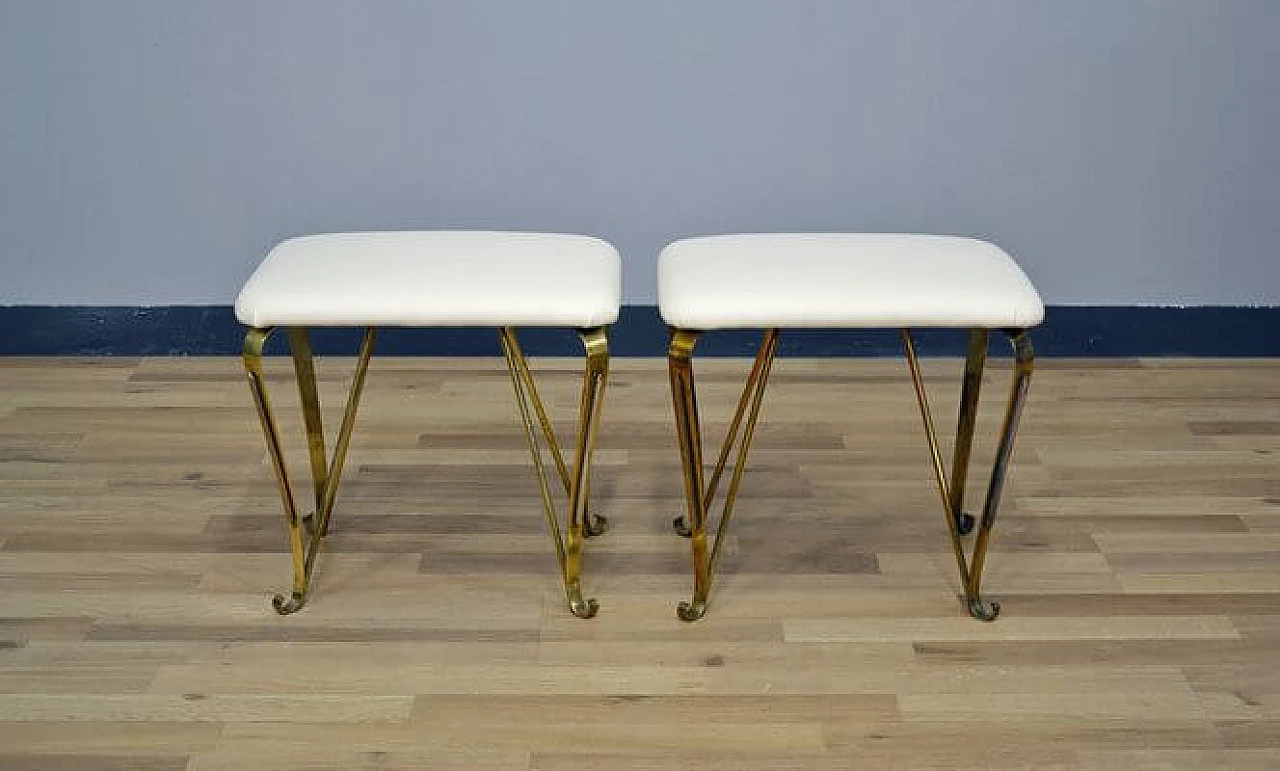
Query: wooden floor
1137	557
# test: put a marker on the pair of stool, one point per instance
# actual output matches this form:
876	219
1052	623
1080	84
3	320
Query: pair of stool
510	280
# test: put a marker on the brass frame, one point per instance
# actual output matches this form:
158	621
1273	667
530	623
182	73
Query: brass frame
307	533
698	498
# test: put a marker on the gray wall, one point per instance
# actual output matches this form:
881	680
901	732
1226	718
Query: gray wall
1127	151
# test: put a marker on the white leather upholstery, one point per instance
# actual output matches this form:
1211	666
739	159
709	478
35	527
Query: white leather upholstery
435	278
842	280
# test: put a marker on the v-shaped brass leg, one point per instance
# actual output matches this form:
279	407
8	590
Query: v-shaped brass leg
689	430
576	481
958	522
325	474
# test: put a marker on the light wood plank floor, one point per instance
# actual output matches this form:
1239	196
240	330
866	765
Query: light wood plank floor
1138	560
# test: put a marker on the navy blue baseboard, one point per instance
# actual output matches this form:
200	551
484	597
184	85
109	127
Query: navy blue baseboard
213	330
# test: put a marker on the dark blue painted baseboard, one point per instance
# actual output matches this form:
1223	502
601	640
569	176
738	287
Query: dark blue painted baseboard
213	330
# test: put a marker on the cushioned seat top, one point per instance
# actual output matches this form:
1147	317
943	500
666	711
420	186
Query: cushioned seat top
435	278
842	280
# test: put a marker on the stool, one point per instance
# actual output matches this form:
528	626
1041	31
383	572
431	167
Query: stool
433	278
842	280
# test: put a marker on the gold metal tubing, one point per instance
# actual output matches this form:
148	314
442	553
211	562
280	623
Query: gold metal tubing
577	484
330	492
254	341
595	524
548	431
506	337
305	372
1024	365
940	473
764	360
596	343
684	400
731	436
759	380
971	389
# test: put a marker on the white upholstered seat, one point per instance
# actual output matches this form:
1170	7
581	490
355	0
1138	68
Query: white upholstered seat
842	280
435	278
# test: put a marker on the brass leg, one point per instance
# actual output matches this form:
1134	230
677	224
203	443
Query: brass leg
253	343
1024	362
334	476
595	524
305	373
688	429
597	372
970	390
764	360
577	481
325	475
952	494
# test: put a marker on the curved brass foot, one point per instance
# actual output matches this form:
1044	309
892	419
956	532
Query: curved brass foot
983	610
691	611
681	526
580	607
595	524
291	604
